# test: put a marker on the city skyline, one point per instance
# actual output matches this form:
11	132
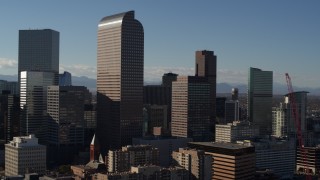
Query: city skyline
140	130
270	35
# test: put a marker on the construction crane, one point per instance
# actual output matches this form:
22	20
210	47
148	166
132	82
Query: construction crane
297	122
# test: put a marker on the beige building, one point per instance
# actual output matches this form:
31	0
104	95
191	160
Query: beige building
195	161
191	107
229	160
238	130
122	160
24	155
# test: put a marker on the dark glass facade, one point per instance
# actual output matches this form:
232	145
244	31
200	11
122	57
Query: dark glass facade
206	66
66	123
65	79
65	107
9	116
156	95
168	78
33	103
38	67
39	51
232	111
220	109
12	87
260	85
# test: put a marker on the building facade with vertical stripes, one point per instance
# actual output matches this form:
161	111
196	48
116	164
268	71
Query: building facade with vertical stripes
120	59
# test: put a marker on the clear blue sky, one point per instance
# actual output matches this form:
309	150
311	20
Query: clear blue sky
280	36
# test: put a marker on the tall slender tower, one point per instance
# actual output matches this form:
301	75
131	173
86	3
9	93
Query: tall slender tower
119	80
38	68
260	99
206	66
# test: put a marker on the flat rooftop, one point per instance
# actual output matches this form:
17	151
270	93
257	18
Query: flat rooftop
225	145
223	148
162	138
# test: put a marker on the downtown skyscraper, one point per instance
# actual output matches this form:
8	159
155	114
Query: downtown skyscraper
206	66
38	68
260	85
33	103
191	108
66	123
120	61
39	51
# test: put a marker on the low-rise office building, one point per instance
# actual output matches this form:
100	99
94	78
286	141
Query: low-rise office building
122	160
229	160
195	161
236	131
24	154
276	155
165	145
308	160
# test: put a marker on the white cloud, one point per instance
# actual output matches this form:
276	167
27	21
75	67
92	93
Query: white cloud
79	70
156	73
8	63
232	76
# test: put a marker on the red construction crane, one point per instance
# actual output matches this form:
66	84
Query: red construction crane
297	122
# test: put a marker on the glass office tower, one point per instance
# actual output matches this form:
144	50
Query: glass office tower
260	85
206	66
33	103
39	51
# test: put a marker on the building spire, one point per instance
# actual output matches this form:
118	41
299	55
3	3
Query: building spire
94	149
93	139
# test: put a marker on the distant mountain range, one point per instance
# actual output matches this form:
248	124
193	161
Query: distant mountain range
9	77
278	89
90	83
76	81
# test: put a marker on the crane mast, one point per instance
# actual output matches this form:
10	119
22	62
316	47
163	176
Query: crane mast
297	123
